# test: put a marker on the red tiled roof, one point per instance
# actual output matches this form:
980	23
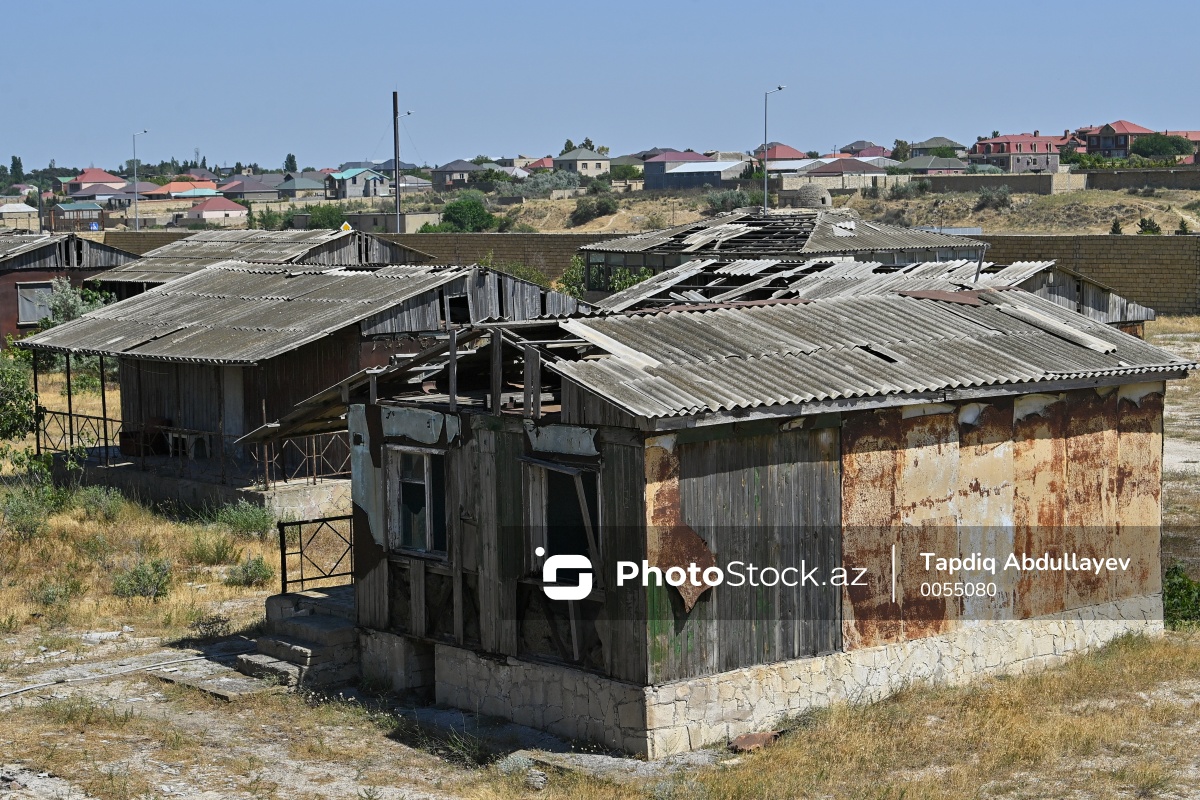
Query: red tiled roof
93	175
844	166
1193	136
780	151
1125	126
218	204
684	156
541	163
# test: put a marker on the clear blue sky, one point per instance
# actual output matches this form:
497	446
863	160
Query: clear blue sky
255	79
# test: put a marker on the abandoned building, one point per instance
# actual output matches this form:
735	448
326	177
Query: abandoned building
852	433
793	235
716	280
325	248
204	358
29	263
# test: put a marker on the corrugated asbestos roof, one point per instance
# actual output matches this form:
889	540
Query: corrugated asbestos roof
686	362
722	281
782	234
14	244
203	249
240	313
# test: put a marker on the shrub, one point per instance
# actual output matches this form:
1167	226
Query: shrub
1115	230
623	278
17	415
729	199
211	548
589	208
542	183
1148	227
1149	191
1183	229
870	192
24	513
150	579
993	197
245	519
1181	598
904	191
326	216
572	280
524	272
56	591
983	169
99	503
896	216
654	222
251	572
468	214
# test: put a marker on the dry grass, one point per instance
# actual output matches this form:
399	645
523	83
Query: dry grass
634	216
63	579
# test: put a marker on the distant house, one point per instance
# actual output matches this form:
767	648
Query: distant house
545	163
217	211
655	168
175	188
1019	152
92	177
411	184
864	149
357	182
76	217
1115	140
301	187
924	148
249	189
201	174
847	166
777	151
520	161
19	216
583	161
691	174
453	175
30	262
191	194
933	165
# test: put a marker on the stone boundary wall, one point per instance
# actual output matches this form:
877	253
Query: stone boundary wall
1162	272
1168	178
659	721
1024	183
549	252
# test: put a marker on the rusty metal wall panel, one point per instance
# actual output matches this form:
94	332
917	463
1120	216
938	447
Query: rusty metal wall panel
1039	475
1139	488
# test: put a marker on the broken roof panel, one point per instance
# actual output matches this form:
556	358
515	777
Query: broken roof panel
686	361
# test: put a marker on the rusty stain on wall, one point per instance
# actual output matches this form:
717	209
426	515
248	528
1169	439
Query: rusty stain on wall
669	542
1075	472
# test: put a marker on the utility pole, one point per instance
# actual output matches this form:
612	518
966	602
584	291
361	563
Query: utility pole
396	152
137	222
780	88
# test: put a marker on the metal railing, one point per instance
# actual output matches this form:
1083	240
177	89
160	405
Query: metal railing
309	458
61	432
316	552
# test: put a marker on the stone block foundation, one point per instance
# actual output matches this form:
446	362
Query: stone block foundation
657	721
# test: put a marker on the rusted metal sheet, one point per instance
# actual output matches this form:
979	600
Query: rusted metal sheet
1139	488
1090	499
1039	480
669	542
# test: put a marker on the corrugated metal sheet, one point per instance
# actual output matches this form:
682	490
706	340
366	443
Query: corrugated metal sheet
688	362
57	251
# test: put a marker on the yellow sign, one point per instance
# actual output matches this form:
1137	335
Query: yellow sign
346	226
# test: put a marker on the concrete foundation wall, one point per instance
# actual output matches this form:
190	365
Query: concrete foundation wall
1025	183
659	721
703	711
396	662
1162	272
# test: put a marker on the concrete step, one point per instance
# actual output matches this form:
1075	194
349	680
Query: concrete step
304	653
260	665
337	601
320	630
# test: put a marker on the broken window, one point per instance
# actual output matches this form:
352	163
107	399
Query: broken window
33	302
416	501
564	509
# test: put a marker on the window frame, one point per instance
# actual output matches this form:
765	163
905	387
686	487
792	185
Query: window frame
392	473
49	287
537	499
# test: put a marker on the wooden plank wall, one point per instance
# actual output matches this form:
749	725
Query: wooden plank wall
773	500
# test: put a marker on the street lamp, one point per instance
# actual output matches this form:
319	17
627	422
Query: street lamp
137	222
780	88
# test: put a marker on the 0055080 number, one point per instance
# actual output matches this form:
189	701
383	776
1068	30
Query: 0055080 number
949	589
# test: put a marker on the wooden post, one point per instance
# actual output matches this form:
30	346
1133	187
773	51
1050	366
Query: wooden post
144	442
37	407
70	408
452	369
497	369
533	382
266	447
104	411
178	421
221	423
